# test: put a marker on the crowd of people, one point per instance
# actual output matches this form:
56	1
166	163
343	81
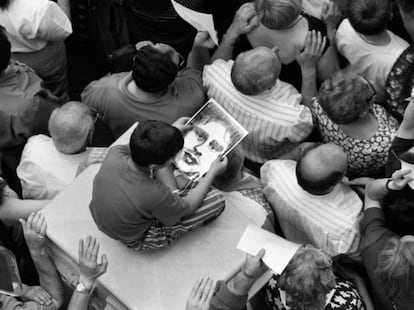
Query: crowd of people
324	89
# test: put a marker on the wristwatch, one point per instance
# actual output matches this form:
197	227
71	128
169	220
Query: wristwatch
81	288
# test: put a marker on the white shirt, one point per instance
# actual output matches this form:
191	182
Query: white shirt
275	119
30	24
329	222
374	62
43	170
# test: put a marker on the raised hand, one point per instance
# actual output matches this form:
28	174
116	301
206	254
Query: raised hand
201	294
34	229
90	270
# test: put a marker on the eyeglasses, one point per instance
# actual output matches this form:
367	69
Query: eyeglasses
374	93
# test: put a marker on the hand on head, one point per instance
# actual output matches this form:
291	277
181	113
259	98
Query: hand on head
201	294
314	47
90	269
331	15
245	20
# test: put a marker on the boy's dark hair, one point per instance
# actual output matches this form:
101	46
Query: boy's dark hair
4	4
407	6
152	70
5	50
316	187
398	208
369	17
155	142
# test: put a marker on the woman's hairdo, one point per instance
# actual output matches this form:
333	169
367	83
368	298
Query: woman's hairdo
307	279
278	14
344	97
395	268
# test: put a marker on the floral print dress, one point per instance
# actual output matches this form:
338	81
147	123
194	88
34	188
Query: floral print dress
344	296
365	157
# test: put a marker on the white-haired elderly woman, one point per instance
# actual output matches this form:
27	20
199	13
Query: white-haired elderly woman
346	114
307	283
36	30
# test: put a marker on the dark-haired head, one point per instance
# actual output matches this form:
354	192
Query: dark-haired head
320	168
153	71
4	4
5	50
398	208
369	17
154	143
407	14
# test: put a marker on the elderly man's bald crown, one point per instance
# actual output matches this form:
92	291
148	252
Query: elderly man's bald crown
321	168
255	71
70	127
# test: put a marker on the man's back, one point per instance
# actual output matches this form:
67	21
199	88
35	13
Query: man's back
275	119
25	107
120	108
328	221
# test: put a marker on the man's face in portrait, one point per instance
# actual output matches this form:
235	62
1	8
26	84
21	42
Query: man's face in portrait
202	145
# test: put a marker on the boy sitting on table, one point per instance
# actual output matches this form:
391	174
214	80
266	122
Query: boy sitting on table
134	196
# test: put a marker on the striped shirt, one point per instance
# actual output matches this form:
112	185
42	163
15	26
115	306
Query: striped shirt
329	222
276	120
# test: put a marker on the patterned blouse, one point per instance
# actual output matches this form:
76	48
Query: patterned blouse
344	296
365	157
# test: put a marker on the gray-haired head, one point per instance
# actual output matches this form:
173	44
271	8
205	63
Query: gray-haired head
70	127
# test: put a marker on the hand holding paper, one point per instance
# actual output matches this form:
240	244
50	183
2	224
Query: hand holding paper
200	21
278	251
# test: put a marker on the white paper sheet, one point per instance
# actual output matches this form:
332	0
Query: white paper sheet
200	21
278	250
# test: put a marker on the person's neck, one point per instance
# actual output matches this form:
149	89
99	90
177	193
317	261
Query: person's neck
380	39
136	168
139	93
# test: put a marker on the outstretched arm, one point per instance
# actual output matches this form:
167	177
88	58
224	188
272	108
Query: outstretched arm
35	234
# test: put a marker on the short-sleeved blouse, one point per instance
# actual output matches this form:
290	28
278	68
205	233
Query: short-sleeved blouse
365	157
344	296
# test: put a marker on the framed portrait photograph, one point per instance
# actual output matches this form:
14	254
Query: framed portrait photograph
213	132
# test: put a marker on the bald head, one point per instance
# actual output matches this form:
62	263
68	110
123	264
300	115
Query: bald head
255	71
70	127
321	168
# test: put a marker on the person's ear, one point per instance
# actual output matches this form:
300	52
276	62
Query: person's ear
275	49
90	136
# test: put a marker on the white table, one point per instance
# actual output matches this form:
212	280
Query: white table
145	281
